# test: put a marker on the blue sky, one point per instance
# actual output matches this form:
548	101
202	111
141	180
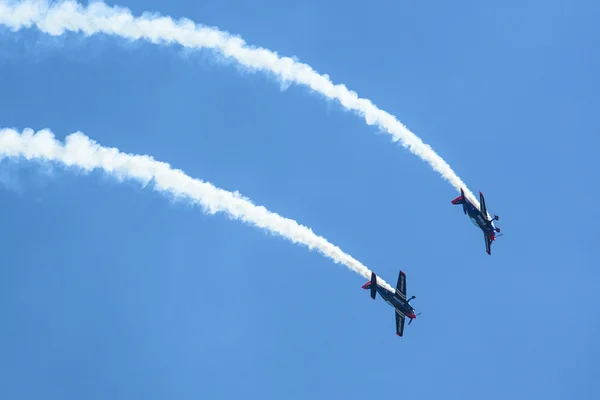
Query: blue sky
109	290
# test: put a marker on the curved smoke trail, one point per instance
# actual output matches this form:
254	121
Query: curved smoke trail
80	151
98	17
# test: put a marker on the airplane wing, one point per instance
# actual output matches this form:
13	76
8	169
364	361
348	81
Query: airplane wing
399	324
488	244
401	286
483	207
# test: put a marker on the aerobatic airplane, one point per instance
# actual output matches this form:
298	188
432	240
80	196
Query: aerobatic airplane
396	299
480	218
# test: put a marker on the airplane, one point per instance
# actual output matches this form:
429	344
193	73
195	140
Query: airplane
396	299
480	218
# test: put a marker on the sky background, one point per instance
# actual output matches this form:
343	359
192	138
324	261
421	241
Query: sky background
113	291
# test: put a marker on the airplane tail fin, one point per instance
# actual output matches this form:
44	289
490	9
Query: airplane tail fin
372	284
461	200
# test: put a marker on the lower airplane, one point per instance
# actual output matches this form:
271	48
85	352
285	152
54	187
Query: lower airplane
396	299
480	218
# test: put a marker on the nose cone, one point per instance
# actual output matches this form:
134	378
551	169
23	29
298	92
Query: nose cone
412	316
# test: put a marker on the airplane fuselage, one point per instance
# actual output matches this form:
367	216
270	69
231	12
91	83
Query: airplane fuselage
401	306
480	220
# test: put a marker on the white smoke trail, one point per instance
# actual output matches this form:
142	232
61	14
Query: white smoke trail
97	17
82	152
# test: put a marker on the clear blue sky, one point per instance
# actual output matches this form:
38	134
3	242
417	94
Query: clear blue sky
111	291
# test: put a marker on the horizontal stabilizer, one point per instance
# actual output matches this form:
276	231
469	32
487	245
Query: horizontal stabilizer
461	200
457	200
373	285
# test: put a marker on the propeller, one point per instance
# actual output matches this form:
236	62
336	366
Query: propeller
411	320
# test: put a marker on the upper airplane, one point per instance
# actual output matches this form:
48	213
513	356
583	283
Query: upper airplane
480	218
396	299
